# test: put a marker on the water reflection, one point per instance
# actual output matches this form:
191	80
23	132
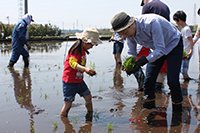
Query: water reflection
142	120
22	91
118	87
196	108
186	116
86	128
35	47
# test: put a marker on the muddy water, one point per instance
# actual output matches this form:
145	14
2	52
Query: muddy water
31	99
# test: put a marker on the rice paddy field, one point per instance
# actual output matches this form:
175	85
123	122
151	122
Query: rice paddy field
31	98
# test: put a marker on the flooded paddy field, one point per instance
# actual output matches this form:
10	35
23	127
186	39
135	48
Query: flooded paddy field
31	99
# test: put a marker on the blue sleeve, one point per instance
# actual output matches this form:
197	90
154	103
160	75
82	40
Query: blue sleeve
131	46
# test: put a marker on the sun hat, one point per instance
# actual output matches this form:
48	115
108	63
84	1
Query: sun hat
89	35
121	21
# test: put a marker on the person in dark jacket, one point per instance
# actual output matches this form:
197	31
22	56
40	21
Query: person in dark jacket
18	41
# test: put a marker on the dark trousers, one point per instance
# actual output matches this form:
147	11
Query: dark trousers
174	59
18	49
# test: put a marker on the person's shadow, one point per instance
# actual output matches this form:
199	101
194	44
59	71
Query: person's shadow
22	91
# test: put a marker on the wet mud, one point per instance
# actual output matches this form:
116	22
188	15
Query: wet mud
31	98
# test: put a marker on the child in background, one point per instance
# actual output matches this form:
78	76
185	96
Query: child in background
180	19
117	47
74	67
197	36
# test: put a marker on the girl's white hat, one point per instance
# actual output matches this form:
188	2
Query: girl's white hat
89	35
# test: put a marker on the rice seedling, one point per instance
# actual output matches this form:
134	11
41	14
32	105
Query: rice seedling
53	86
56	75
184	55
92	65
53	79
49	68
129	63
58	67
40	94
57	92
27	70
20	99
32	128
45	96
55	125
110	126
96	116
38	69
75	119
7	99
100	88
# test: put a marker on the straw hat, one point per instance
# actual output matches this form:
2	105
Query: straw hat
89	35
121	21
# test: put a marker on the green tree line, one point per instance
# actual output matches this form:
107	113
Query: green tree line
35	30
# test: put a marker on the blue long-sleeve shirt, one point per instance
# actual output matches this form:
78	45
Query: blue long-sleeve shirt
19	33
156	33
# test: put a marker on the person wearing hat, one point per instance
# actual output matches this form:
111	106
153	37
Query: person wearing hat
19	39
156	33
160	8
74	67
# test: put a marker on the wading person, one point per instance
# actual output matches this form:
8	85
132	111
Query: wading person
117	47
197	36
160	8
74	67
180	18
156	33
18	41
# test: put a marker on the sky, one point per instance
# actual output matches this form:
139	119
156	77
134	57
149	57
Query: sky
80	14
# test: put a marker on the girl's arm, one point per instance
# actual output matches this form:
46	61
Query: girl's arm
85	69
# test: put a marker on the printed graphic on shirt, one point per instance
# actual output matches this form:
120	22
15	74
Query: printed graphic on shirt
73	62
79	74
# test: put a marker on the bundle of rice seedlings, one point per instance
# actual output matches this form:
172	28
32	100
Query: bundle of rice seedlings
129	63
184	55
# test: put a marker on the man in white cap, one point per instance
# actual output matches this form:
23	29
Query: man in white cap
18	41
156	33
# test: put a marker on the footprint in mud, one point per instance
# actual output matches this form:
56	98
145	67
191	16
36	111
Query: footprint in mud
97	97
112	110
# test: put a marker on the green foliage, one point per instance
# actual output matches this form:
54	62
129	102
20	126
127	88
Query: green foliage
46	30
129	63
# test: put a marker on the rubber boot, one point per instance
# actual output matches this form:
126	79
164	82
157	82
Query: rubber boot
148	102
26	62
177	108
176	119
139	75
158	87
11	64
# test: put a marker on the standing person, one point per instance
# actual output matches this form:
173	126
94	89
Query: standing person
156	33
74	67
19	39
160	8
197	36
117	47
180	18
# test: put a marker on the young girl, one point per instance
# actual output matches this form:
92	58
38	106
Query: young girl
74	67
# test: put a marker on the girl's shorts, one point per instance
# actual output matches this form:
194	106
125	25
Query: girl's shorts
70	90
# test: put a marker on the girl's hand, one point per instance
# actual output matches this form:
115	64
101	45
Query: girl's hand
90	71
